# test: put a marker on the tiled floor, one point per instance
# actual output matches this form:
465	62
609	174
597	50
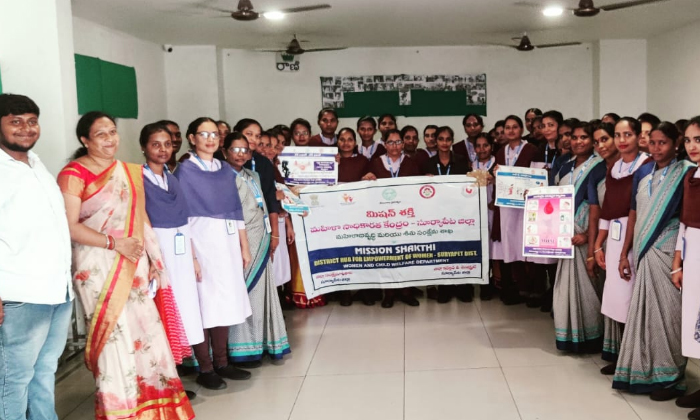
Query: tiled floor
457	361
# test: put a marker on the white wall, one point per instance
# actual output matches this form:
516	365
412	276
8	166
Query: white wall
674	73
622	76
192	81
557	78
147	58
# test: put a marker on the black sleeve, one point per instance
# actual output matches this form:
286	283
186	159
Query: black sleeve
264	168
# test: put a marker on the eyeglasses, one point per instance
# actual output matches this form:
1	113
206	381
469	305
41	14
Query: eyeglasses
205	134
394	143
241	150
301	133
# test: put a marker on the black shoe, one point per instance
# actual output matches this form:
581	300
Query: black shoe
534	302
608	369
191	394
183	370
368	301
444	294
388	303
252	364
465	293
666	394
486	292
232	372
431	293
689	401
695	414
210	380
416	292
346	298
511	299
409	300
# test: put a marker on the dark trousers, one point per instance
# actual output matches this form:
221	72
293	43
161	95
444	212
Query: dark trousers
218	336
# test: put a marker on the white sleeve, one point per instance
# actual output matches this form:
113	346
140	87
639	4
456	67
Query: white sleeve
681	235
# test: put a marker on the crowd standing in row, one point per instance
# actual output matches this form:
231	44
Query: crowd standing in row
172	259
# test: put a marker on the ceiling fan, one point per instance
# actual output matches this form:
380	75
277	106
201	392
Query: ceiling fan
294	48
586	8
246	12
526	45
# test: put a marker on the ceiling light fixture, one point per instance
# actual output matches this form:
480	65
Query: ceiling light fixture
553	11
274	15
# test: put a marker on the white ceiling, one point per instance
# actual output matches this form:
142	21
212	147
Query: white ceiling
377	23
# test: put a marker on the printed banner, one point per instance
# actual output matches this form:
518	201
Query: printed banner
512	183
291	203
393	233
309	165
548	224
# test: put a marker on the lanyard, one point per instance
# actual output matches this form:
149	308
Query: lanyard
157	177
517	154
390	164
663	175
252	164
204	166
546	155
580	174
634	162
253	187
440	169
363	149
487	165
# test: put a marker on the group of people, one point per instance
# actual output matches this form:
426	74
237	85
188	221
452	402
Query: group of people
191	261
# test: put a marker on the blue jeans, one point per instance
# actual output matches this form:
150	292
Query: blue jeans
32	338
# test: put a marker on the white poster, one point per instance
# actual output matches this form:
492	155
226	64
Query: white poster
393	233
513	182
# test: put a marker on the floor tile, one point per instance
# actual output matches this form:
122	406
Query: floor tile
454	312
257	399
459	394
448	346
572	392
359	349
346	397
72	393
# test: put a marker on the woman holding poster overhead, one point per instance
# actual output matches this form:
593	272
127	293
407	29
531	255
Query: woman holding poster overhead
510	220
651	360
394	164
578	324
612	228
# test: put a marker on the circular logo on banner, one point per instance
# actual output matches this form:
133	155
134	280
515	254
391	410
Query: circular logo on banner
389	194
469	190
427	191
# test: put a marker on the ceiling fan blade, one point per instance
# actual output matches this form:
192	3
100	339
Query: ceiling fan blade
306	8
627	4
560	44
536	5
325	49
275	51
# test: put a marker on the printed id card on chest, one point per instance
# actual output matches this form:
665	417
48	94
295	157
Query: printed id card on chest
268	227
180	244
231	227
615	230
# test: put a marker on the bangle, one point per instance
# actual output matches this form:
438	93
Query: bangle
112	242
590	259
107	240
597	250
677	270
275	237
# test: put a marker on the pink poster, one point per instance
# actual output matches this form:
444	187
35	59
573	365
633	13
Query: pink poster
548	224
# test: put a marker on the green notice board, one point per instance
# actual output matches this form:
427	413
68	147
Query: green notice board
107	87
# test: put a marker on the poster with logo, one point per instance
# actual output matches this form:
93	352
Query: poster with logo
309	165
548	224
512	183
393	233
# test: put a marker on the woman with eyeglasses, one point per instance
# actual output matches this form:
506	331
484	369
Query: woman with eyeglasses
264	332
221	247
473	126
393	164
301	135
651	359
445	162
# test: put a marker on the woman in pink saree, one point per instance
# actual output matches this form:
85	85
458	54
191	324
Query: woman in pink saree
115	254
